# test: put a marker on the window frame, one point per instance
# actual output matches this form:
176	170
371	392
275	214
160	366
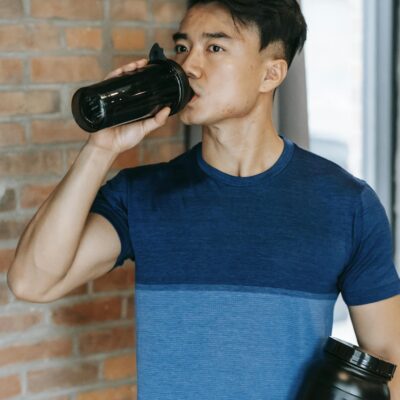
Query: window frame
378	99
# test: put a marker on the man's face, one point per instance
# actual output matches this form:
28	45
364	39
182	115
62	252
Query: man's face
225	72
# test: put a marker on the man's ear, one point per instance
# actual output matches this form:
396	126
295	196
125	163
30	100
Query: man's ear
275	74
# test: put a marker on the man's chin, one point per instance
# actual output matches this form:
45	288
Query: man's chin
188	119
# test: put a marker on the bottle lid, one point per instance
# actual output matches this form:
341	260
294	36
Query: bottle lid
157	56
157	53
356	356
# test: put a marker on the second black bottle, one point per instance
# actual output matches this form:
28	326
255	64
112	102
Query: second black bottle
133	97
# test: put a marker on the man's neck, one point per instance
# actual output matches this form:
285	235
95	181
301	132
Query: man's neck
242	152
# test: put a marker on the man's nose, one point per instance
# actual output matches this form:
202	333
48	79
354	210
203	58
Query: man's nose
192	65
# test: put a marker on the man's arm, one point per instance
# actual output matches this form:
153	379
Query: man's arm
49	244
63	246
377	328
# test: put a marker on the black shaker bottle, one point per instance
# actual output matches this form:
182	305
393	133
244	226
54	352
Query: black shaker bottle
346	372
135	96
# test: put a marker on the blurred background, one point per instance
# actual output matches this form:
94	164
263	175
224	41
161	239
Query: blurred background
339	100
351	64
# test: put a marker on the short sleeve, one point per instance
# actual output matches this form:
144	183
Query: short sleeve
370	274
111	202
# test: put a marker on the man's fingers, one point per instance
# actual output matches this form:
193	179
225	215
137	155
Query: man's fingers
134	65
113	74
162	116
157	121
127	68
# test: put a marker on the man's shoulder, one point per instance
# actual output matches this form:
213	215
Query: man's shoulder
326	173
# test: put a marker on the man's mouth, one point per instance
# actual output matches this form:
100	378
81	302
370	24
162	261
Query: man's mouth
195	91
195	95
194	98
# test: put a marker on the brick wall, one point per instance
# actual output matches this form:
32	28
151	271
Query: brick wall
80	347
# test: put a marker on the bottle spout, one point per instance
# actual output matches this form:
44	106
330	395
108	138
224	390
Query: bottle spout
156	53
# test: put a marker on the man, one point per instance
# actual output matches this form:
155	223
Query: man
242	244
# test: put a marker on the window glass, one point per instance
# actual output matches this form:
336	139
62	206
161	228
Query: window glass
334	75
333	53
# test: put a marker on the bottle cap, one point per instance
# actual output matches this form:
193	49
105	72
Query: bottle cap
156	53
157	56
354	355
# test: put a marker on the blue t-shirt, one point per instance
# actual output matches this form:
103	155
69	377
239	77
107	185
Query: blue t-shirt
237	277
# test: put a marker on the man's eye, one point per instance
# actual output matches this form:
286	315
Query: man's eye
179	48
216	48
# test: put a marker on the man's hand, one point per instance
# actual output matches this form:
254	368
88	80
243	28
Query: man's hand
123	137
377	328
55	252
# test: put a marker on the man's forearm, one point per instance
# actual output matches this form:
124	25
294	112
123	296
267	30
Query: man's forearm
394	384
50	241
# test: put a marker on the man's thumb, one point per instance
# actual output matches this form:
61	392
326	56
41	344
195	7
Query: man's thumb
157	121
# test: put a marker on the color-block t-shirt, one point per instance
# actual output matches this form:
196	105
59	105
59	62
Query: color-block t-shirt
237	277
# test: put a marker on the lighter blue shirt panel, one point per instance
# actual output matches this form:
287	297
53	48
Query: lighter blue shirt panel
224	343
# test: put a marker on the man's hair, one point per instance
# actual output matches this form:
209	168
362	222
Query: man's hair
278	21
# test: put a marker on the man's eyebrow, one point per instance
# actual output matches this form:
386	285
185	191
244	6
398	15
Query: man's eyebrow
207	35
179	35
216	35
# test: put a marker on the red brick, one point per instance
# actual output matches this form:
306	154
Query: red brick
84	38
59	398
67	9
43	37
126	10
120	279
129	38
168	11
108	340
118	393
97	310
163	36
130	309
120	60
33	37
11	229
65	69
12	37
171	128
120	367
56	398
11	135
54	131
31	163
33	195
160	152
6	258
36	351
29	102
11	70
62	377
4	290
10	386
19	322
7	200
77	291
129	158
11	9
